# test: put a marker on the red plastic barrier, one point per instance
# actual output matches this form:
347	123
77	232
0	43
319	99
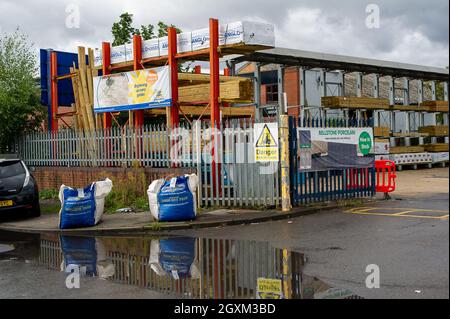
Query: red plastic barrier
385	176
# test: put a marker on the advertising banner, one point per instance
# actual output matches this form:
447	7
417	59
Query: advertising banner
136	90
335	148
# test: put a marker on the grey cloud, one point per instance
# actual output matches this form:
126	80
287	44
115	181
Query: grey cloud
343	23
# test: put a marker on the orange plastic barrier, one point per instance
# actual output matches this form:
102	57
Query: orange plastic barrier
386	176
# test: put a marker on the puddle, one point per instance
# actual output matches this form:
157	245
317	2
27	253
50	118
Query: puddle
184	267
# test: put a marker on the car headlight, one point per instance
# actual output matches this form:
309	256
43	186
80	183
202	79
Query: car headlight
27	176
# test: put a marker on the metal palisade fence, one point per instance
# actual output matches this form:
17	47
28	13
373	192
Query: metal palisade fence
331	184
229	178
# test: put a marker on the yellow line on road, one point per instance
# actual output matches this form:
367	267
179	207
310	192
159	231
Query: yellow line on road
404	213
394	215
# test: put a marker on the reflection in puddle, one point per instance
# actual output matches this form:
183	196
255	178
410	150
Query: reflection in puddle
184	267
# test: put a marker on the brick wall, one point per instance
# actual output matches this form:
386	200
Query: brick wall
292	89
54	177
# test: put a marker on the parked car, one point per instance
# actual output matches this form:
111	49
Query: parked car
18	188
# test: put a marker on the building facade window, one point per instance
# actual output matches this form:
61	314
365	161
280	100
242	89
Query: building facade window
272	93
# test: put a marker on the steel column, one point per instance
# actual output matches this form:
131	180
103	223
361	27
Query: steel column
173	63
376	86
54	91
359	80
214	103
106	65
433	90
198	69
405	91
445	86
257	91
280	82
420	91
137	65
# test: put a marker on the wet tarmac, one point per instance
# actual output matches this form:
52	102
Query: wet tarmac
42	266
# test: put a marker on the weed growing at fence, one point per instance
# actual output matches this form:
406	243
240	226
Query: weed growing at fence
128	191
48	194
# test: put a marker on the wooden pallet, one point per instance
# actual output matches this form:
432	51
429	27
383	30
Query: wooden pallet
381	131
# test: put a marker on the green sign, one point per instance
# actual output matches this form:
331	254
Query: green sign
365	143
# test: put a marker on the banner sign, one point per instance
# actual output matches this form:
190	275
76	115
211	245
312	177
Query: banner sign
266	142
135	90
335	148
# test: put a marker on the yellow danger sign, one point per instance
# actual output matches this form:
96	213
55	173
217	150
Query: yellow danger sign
266	144
269	289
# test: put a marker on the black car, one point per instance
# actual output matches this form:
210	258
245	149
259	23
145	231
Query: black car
18	189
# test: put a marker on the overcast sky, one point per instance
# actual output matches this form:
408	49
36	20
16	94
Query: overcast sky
410	31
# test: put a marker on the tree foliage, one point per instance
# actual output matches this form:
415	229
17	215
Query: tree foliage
20	109
123	30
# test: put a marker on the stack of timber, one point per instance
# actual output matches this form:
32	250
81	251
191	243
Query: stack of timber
195	111
83	91
410	134
438	130
439	147
232	90
409	108
355	102
436	106
381	131
407	149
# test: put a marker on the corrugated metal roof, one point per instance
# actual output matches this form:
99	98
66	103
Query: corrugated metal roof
345	63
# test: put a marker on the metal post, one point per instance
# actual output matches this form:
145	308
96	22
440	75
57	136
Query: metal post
214	101
285	183
420	91
376	86
359	81
137	65
433	90
106	64
173	63
323	82
342	83
391	90
198	69
405	91
302	83
257	90
54	91
445	86
280	74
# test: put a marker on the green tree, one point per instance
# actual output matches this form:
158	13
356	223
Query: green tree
123	30
20	109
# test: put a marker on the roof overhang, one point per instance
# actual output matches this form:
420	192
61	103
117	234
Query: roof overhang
307	59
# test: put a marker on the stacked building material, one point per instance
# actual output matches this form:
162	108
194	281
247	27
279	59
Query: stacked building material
237	90
438	130
436	106
439	157
411	158
355	102
407	149
381	131
438	147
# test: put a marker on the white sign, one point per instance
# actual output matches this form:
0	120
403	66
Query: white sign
266	142
136	90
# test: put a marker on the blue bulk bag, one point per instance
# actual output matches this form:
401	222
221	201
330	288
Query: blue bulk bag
78	208
80	251
173	200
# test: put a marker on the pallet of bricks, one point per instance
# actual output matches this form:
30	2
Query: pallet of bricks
439	151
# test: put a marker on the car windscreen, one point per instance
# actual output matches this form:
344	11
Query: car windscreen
11	168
